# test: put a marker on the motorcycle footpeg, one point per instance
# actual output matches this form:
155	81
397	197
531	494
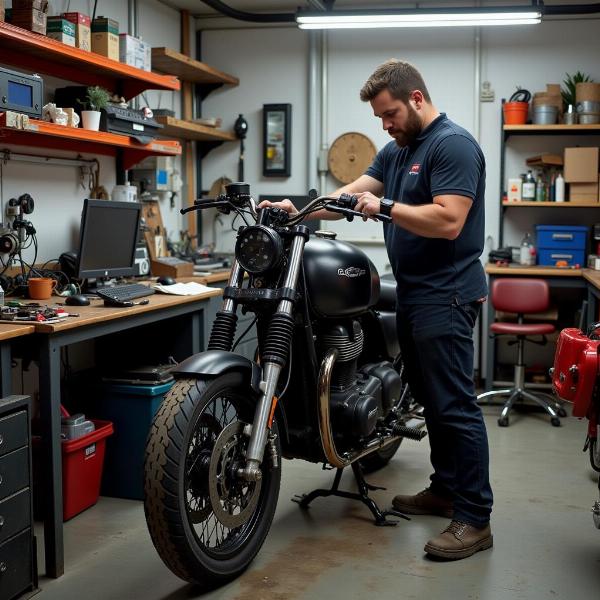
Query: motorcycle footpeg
412	433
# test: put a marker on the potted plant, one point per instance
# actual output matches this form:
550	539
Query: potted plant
569	91
96	99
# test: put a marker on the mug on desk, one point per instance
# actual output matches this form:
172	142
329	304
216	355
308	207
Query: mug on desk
41	288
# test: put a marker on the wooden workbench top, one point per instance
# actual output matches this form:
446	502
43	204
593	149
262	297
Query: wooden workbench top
8	331
592	276
96	312
534	271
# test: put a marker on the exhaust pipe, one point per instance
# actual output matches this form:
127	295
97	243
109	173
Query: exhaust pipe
331	454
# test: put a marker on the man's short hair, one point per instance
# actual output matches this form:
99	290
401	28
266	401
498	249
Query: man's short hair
398	77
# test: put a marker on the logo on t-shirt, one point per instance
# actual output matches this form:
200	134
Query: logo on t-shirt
414	170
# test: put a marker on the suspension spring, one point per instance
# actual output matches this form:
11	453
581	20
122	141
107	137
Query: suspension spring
279	337
223	331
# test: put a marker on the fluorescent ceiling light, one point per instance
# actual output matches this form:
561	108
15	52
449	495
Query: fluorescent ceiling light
417	18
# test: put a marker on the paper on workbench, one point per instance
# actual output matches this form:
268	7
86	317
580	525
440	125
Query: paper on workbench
183	289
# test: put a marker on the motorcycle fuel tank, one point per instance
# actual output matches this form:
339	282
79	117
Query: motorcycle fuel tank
341	279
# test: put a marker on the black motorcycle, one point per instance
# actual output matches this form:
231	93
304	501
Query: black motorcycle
326	386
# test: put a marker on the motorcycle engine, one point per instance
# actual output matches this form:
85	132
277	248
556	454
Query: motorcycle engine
358	397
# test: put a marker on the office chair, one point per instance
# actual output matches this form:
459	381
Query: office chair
522	296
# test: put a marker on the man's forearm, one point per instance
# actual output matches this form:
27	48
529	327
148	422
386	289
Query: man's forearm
427	220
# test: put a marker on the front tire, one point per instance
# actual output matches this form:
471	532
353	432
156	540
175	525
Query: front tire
196	432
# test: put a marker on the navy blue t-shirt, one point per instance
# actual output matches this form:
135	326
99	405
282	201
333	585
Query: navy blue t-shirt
444	159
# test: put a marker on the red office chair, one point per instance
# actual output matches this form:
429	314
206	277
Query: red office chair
522	296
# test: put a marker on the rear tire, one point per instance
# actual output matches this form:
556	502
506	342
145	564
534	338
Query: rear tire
179	496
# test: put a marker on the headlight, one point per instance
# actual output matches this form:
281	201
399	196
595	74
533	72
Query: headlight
258	249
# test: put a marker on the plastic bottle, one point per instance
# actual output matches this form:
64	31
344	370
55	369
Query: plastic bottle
526	246
1	296
559	188
528	192
540	189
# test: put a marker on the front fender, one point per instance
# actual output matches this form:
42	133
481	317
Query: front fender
216	362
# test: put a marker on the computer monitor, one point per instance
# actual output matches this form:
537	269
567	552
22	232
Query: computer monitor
109	232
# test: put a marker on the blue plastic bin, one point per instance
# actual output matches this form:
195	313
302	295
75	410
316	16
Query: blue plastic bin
131	409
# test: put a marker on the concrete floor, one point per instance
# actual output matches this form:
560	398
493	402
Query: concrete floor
546	545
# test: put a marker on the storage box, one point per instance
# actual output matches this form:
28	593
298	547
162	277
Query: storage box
83	35
82	463
586	193
105	37
131	408
581	165
134	52
62	30
561	243
515	186
29	18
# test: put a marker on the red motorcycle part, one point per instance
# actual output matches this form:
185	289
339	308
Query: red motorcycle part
576	369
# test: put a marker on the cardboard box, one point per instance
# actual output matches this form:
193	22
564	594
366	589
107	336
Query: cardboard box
61	30
1	10
581	165
586	193
134	52
105	37
106	44
83	33
29	18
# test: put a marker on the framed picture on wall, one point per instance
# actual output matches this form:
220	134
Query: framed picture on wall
277	146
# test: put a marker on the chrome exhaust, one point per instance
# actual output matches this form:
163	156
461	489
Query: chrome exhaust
331	454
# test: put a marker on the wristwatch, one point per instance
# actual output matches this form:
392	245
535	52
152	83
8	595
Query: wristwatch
385	207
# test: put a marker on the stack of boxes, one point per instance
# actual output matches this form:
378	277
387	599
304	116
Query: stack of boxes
105	37
81	22
30	14
581	173
61	30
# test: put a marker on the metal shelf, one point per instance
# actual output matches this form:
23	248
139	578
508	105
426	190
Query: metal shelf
44	55
525	203
58	137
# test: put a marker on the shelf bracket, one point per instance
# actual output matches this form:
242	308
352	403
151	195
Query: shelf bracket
205	147
204	89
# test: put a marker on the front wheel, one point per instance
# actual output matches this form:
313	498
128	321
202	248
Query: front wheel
206	523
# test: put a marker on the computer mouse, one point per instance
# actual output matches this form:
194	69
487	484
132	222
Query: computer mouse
77	300
165	280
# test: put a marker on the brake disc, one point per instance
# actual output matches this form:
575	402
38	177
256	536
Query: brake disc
233	499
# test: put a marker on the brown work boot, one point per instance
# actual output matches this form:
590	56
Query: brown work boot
424	503
460	540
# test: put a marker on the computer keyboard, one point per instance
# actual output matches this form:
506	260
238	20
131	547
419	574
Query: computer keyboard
125	292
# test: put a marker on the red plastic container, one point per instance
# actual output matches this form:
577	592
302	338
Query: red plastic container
82	461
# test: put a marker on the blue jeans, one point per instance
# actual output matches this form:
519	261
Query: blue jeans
437	349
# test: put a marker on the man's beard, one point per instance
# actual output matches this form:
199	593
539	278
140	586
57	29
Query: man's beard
411	131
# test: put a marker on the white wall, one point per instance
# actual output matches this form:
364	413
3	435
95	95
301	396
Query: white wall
56	190
272	67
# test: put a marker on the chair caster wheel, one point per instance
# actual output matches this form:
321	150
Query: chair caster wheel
503	421
562	412
555	421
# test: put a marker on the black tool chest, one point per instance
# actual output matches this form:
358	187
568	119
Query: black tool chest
18	571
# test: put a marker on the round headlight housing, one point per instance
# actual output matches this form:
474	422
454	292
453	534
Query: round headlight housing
258	249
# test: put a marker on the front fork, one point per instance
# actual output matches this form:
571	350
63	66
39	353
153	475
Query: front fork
274	354
274	357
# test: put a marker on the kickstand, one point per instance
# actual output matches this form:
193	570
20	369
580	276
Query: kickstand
363	495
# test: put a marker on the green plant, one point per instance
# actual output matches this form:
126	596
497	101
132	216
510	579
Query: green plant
96	98
570	84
